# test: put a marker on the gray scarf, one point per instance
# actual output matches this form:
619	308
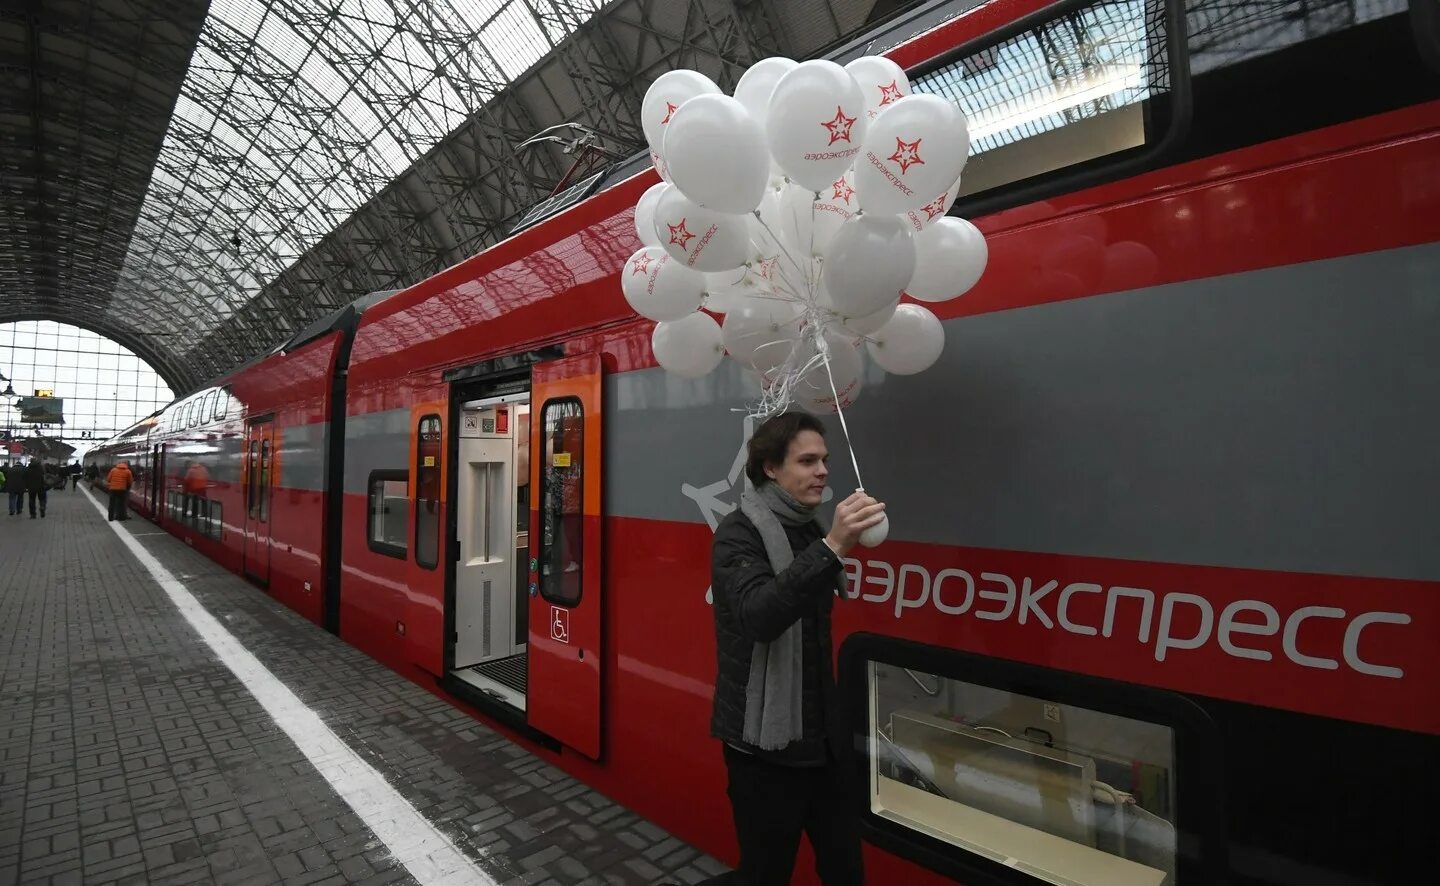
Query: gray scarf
773	696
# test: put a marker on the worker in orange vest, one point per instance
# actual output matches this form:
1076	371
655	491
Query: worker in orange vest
118	481
197	482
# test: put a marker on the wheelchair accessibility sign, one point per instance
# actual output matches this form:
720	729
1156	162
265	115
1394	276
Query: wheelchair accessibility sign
560	624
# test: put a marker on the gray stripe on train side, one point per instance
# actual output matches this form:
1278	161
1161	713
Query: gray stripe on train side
1281	419
375	441
302	456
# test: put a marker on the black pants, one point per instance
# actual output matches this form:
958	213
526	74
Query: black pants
118	504
42	496
774	804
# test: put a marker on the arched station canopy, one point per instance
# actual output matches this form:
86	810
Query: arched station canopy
199	180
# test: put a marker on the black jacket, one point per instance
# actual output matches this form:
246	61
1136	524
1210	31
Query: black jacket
35	477
753	605
15	479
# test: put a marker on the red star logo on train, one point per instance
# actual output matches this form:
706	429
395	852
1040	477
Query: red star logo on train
935	207
907	154
890	94
843	191
840	126
642	264
669	112
678	235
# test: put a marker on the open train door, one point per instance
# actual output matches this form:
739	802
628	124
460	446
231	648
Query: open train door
156	479
566	598
259	455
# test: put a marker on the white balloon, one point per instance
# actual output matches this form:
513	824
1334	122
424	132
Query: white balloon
876	535
645	214
761	332
688	347
816	122
717	154
660	288
661	168
858	327
758	82
812	391
882	82
950	256
701	238
725	289
914	150
868	264
924	216
812	222
911	342
664	97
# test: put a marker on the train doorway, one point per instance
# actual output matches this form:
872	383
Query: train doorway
156	481
492	532
259	454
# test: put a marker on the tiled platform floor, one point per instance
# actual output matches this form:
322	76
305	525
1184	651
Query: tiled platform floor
130	754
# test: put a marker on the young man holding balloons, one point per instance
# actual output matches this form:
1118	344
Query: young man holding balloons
775	574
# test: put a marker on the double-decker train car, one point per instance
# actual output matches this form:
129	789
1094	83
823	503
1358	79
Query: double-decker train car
1159	603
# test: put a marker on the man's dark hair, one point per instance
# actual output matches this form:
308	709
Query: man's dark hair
771	442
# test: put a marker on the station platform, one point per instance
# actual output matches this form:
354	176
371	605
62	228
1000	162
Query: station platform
164	721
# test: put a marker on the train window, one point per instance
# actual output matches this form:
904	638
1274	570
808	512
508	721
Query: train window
562	501
1022	774
389	508
1051	95
207	408
427	492
222	405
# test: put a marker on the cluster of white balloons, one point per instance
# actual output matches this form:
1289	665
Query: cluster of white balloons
801	209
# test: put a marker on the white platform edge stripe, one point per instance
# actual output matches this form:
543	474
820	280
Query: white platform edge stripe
427	854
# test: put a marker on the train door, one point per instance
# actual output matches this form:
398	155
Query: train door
565	595
491	528
156	480
259	454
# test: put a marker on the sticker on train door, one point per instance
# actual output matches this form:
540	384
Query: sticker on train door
560	625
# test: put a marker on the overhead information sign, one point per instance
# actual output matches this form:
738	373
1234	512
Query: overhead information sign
42	410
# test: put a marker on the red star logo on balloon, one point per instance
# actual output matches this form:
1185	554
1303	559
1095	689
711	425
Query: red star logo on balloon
642	264
907	154
766	266
843	191
678	235
840	126
669	112
935	207
890	94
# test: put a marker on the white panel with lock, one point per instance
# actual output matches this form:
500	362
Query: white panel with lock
485	574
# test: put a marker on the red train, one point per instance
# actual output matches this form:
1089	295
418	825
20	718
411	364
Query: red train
1159	603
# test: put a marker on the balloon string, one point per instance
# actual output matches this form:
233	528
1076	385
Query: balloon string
824	347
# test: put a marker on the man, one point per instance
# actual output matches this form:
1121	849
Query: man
775	572
118	481
15	486
37	485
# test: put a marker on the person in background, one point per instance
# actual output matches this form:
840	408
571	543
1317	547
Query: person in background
75	470
197	484
37	485
118	482
775	573
15	488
